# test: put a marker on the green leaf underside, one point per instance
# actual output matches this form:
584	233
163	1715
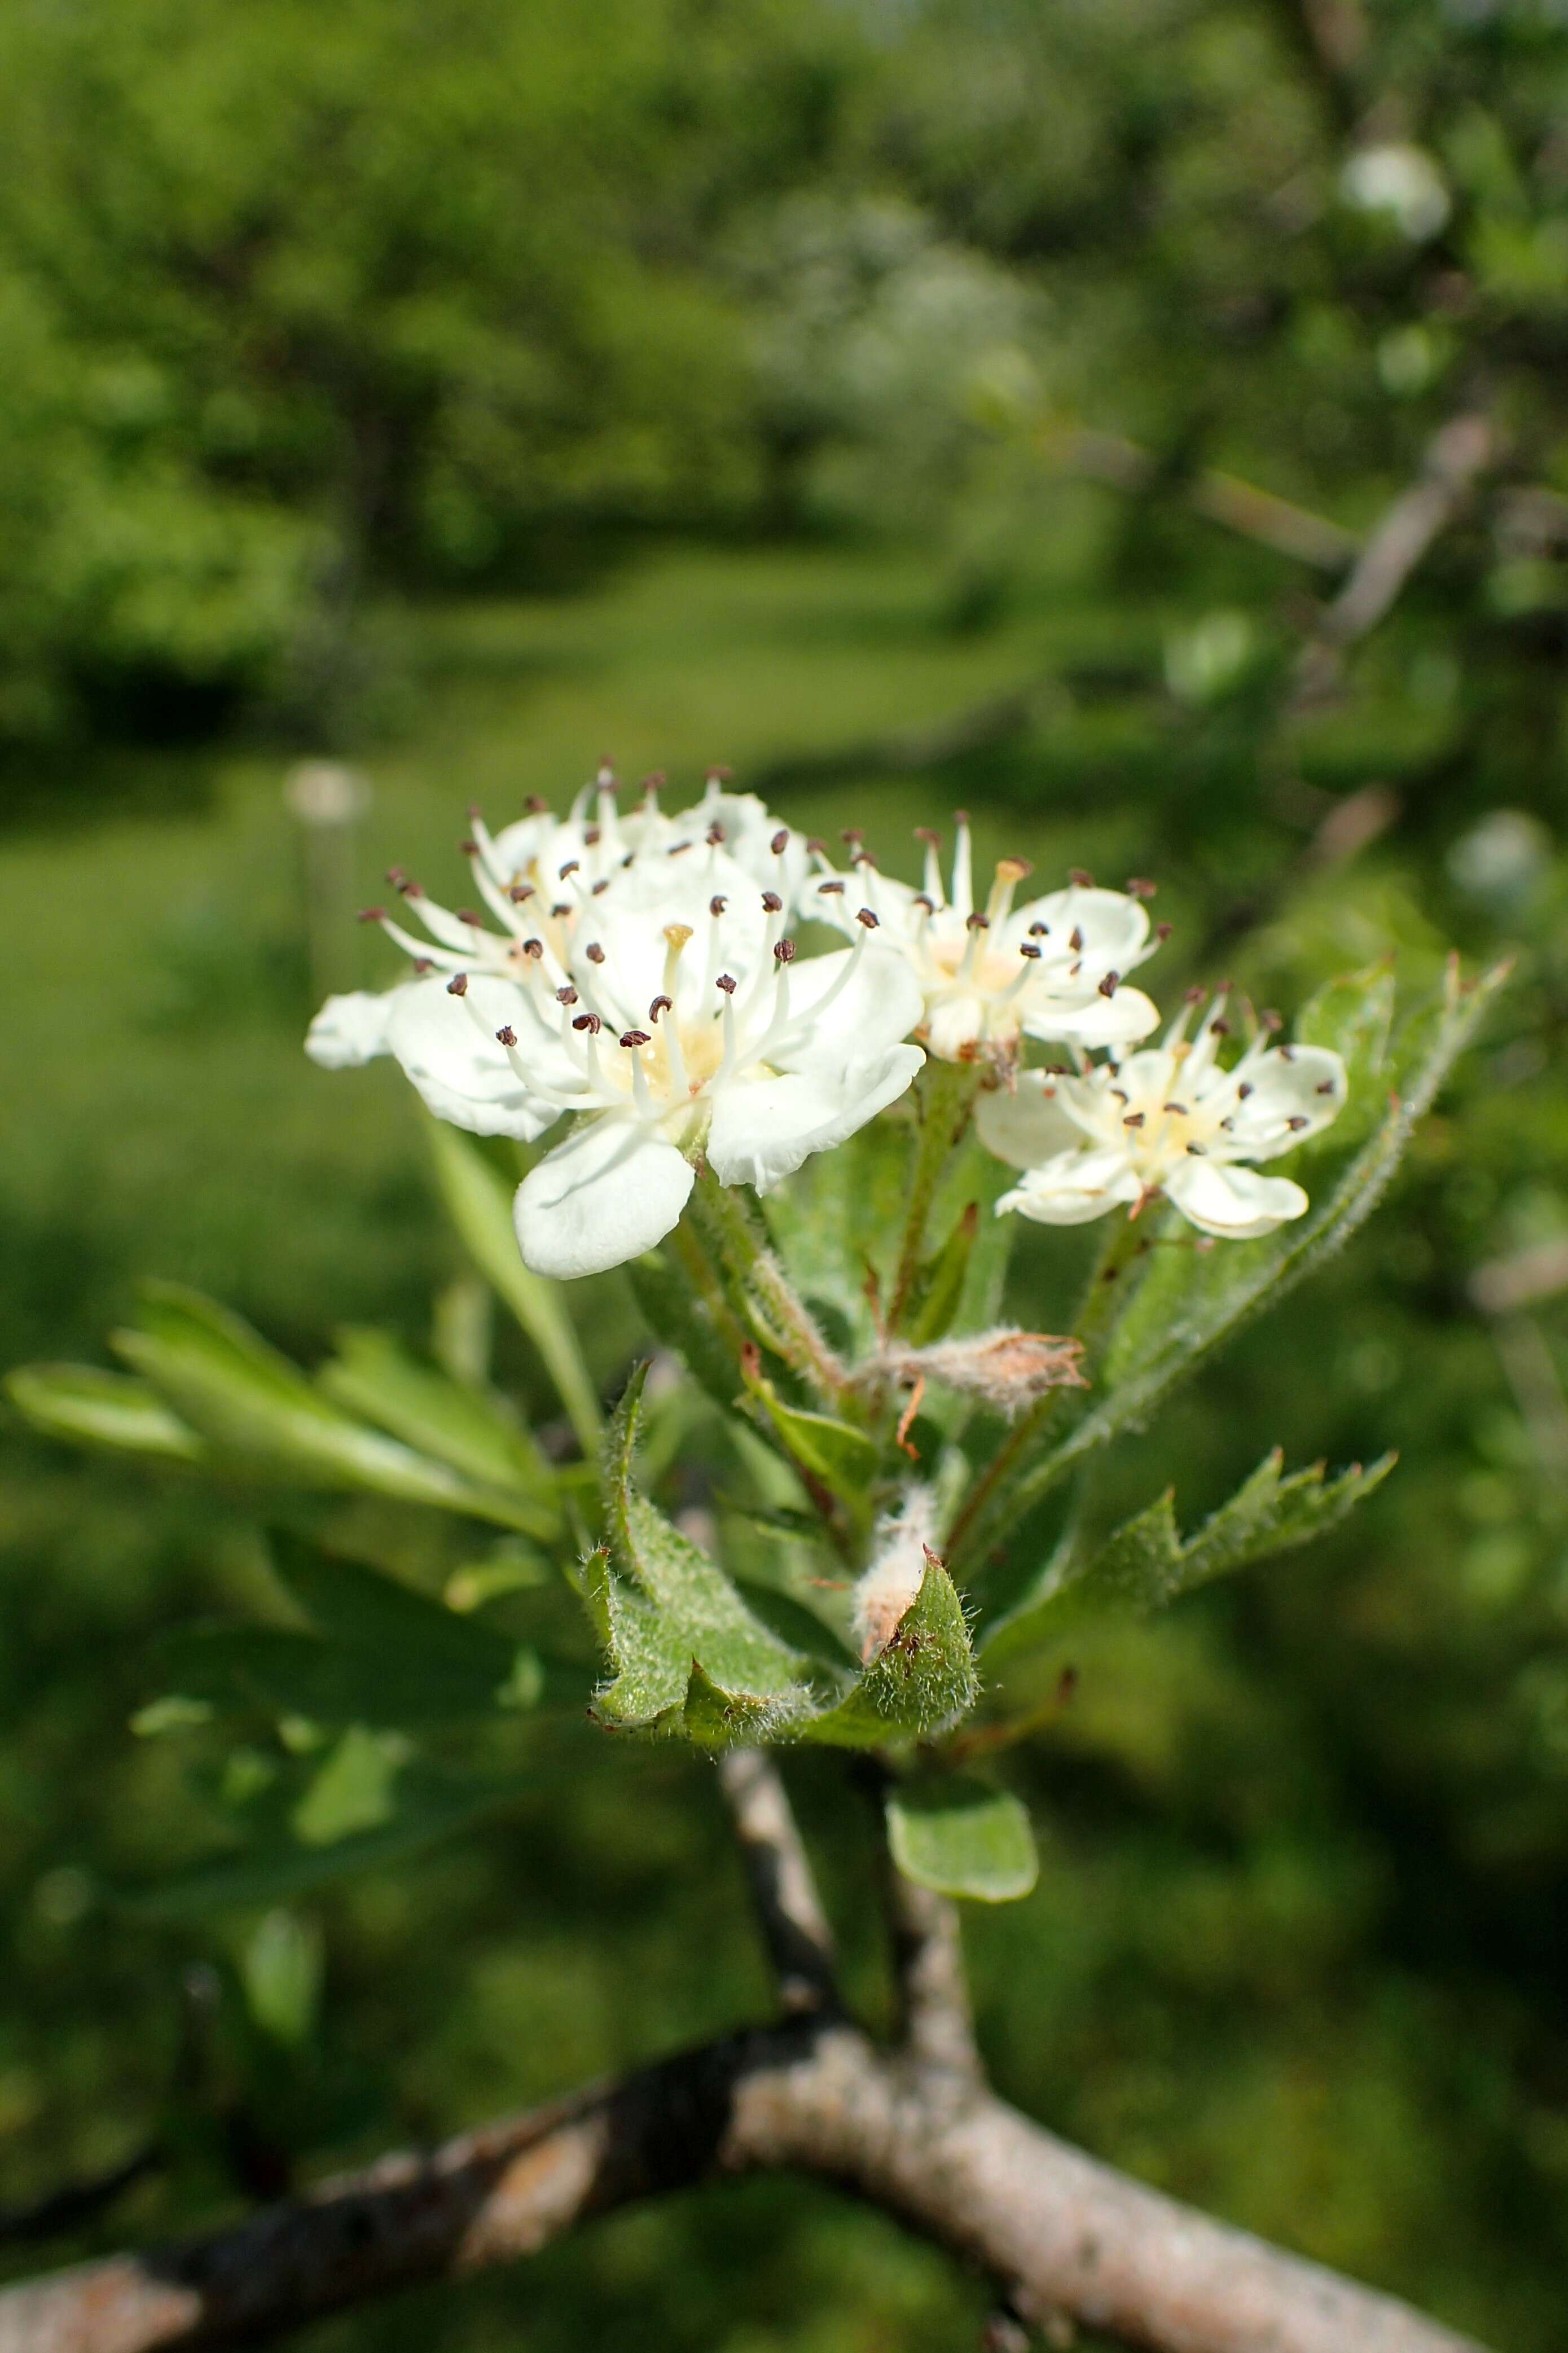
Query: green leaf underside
1189	1303
80	1403
255	1407
1146	1563
961	1837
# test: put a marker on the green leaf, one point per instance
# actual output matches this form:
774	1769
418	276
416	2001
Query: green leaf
427	1807
961	1837
669	1608
796	1623
479	1204
1353	1016
353	1789
841	1214
679	1319
253	1405
1145	1565
837	1456
374	1376
919	1682
1189	1303
280	1970
98	1408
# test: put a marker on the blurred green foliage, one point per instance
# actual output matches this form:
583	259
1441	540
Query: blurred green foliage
313	315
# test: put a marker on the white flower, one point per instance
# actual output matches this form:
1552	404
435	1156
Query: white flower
1052	968
1167	1119
662	1001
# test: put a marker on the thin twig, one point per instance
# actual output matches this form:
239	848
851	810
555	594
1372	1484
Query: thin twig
783	1892
1061	2233
928	1959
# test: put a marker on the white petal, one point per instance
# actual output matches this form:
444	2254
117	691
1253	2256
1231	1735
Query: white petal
955	1026
764	1128
607	1194
1027	1127
1286	1087
879	1002
1235	1202
1114	928
349	1031
1074	1187
1090	1019
447	1047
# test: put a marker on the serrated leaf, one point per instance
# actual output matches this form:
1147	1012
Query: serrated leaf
1146	1565
376	1378
251	1404
1190	1303
961	1837
921	1682
668	1607
98	1408
479	1203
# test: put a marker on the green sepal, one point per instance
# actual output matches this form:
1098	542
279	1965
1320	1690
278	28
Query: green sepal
1146	1563
961	1836
919	1682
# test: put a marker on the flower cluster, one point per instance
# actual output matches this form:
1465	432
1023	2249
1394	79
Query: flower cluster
641	972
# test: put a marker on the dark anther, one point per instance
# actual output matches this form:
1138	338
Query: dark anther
1296	1122
720	776
1120	1093
654	781
1180	1109
785	952
977	924
534	805
714	836
602	884
1286	1053
467	848
589	1021
1162	932
565	996
853	833
373	914
1198	1150
633	1038
1085	881
459	985
726	982
1110	984
1074	941
560	908
507	1037
816	845
772	902
1228	1123
570	868
518	892
780	842
592	835
830	890
961	817
466	915
1133	1119
1271	1020
1327	1088
716	905
1140	887
593	952
1244	1090
411	890
1196	995
1039	931
422	965
677	848
871	922
660	1005
1219	1027
397	876
534	947
920	899
929	834
1029	948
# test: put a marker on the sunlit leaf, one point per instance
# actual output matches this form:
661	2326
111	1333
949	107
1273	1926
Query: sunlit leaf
99	1408
961	1837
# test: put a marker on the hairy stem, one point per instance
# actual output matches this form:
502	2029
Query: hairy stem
944	1099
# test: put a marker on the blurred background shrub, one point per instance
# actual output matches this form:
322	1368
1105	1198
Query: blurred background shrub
911	401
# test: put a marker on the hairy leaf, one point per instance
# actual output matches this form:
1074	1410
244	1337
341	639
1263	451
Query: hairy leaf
1146	1565
922	1681
961	1837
